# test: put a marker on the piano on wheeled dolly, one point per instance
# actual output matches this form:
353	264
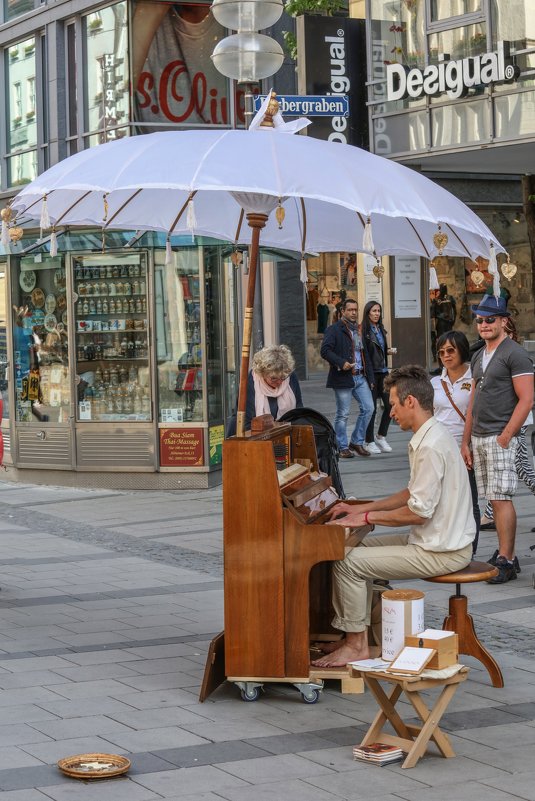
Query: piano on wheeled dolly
277	555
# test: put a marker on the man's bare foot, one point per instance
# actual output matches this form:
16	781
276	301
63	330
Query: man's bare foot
342	655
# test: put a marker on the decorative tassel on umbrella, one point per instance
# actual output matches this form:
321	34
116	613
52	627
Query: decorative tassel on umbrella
53	243
44	222
168	252
304	271
493	270
191	220
367	237
433	278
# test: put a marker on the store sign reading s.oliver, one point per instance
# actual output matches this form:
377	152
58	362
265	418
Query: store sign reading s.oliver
454	78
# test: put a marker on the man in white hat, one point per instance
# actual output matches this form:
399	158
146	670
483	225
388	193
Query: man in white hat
502	397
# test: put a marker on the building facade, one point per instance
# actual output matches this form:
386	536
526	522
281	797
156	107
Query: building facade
121	370
451	93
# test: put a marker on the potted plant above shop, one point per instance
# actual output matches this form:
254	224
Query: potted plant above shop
29	48
295	8
30	114
14	53
17	121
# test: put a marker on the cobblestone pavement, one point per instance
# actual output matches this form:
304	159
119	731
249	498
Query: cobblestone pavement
108	603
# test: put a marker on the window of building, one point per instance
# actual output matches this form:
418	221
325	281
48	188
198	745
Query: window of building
106	74
468	40
14	8
513	21
443	9
21	124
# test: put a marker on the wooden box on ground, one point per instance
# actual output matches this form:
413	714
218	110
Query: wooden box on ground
445	644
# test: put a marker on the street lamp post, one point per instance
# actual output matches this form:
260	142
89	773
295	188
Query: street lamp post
248	56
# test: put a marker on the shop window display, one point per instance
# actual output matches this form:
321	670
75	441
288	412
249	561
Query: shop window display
178	338
468	281
40	341
112	338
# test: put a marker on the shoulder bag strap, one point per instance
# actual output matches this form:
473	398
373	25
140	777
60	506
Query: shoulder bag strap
448	395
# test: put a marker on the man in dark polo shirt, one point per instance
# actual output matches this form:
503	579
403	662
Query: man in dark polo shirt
502	397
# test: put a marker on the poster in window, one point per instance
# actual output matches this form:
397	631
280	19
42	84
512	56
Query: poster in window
174	78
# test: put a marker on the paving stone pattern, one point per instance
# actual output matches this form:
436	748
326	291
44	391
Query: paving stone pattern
108	603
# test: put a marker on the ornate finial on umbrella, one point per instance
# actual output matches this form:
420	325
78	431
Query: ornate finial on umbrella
272	109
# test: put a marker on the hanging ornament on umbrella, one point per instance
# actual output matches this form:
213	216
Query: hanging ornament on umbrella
509	270
440	240
477	277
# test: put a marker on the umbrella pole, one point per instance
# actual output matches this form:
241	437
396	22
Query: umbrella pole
256	222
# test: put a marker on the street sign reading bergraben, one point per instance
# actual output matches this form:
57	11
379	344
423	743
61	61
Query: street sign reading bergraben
310	105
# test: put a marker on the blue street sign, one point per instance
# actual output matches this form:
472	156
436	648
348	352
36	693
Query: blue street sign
310	105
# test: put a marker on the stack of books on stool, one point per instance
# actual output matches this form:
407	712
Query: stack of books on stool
378	753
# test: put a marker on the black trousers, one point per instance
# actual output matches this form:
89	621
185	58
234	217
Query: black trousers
379	392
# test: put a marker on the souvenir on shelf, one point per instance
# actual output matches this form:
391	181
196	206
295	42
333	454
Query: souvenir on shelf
27	280
111	340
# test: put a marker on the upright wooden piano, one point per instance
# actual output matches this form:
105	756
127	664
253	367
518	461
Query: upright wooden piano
277	554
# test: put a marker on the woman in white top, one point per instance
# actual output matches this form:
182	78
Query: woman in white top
452	392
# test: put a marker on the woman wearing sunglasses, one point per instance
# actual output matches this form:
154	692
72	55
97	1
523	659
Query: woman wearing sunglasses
452	393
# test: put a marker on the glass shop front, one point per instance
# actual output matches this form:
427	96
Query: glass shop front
122	367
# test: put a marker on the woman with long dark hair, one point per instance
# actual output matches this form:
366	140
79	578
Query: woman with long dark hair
376	346
452	390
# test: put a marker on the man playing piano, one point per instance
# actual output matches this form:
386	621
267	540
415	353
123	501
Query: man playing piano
437	506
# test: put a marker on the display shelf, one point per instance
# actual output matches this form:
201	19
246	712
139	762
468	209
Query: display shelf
112	344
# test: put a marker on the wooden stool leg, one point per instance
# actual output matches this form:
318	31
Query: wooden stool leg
460	621
440	738
430	726
387	712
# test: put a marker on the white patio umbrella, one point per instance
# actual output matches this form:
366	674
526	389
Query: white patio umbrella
327	197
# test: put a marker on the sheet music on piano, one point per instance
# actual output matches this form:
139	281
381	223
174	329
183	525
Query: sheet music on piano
310	495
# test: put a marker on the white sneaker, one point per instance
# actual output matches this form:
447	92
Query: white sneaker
371	447
382	445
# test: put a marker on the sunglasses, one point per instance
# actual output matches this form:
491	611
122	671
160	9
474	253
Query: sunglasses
446	351
481	320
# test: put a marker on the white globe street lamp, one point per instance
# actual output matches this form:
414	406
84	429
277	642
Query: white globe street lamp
247	56
247	15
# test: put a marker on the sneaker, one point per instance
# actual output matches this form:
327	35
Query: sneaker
382	444
506	571
490	526
493	559
345	453
371	447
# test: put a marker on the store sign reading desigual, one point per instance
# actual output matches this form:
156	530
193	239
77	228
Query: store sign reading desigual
454	78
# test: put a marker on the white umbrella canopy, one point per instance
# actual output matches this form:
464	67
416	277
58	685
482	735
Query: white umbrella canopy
331	189
226	184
